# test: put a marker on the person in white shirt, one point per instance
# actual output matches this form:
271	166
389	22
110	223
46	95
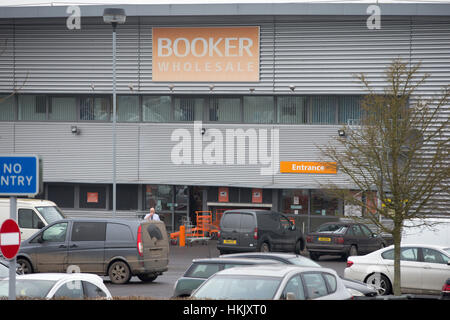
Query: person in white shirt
152	215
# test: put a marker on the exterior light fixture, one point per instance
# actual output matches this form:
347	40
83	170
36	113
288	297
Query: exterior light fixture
74	130
114	16
252	90
292	87
171	87
341	133
211	87
203	131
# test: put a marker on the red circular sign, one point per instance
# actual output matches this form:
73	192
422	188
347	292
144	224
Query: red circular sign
9	239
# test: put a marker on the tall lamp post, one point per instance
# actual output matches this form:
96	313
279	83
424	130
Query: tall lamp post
114	16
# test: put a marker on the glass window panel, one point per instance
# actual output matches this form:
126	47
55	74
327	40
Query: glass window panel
291	109
188	109
128	108
63	108
323	204
349	108
94	108
158	197
323	109
156	108
225	109
32	107
7	107
295	201
259	109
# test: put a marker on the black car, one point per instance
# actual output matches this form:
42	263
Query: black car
290	258
258	230
343	239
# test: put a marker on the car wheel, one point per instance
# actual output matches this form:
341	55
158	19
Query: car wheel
24	266
148	277
264	247
314	256
298	247
380	283
119	272
353	251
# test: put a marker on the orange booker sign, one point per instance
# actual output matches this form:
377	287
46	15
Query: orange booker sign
206	54
308	167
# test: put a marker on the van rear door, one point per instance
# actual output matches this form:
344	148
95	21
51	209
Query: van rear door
155	245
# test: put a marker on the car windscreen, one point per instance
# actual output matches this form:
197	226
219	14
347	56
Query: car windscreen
28	288
50	214
237	287
447	250
304	262
202	270
4	271
332	228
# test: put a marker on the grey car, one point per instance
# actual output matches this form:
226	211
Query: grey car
117	248
277	282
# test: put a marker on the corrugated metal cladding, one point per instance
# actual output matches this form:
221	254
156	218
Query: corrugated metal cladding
318	55
145	153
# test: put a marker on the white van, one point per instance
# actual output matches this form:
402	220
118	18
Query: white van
436	232
32	214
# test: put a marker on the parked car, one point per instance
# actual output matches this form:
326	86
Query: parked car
357	288
202	269
32	214
258	230
57	285
445	292
278	282
424	268
343	239
117	248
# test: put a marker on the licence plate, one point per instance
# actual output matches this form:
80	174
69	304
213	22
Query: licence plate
325	239
229	241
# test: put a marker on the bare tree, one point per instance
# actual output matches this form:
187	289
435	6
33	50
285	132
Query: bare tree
399	151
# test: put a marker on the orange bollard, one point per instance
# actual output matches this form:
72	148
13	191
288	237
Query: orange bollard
182	236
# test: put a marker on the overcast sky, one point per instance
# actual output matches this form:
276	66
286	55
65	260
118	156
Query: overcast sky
106	2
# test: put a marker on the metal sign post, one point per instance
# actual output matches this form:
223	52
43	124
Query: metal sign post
12	262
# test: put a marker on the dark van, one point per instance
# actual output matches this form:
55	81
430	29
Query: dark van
117	248
258	230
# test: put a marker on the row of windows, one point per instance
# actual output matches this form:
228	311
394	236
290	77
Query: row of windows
292	109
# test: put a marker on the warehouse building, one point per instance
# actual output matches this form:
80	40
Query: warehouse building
219	106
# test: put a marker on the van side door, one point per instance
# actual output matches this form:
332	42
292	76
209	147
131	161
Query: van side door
289	235
87	246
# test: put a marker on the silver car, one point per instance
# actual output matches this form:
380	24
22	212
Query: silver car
277	282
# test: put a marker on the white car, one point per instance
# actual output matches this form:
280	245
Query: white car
57	285
424	268
273	282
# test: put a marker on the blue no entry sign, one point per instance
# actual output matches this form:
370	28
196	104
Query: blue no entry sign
19	175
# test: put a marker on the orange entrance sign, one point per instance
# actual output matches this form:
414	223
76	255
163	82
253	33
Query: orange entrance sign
308	167
206	54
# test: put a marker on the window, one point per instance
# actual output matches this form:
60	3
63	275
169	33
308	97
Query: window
50	213
32	107
323	204
94	108
127	108
231	221
93	196
315	285
63	109
332	282
323	109
7	112
56	233
294	286
356	231
71	290
406	254
158	197
62	195
156	108
127	197
291	109
433	256
366	231
118	232
294	201
92	291
88	231
203	271
188	109
259	109
332	228
28	219
225	109
247	223
349	109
